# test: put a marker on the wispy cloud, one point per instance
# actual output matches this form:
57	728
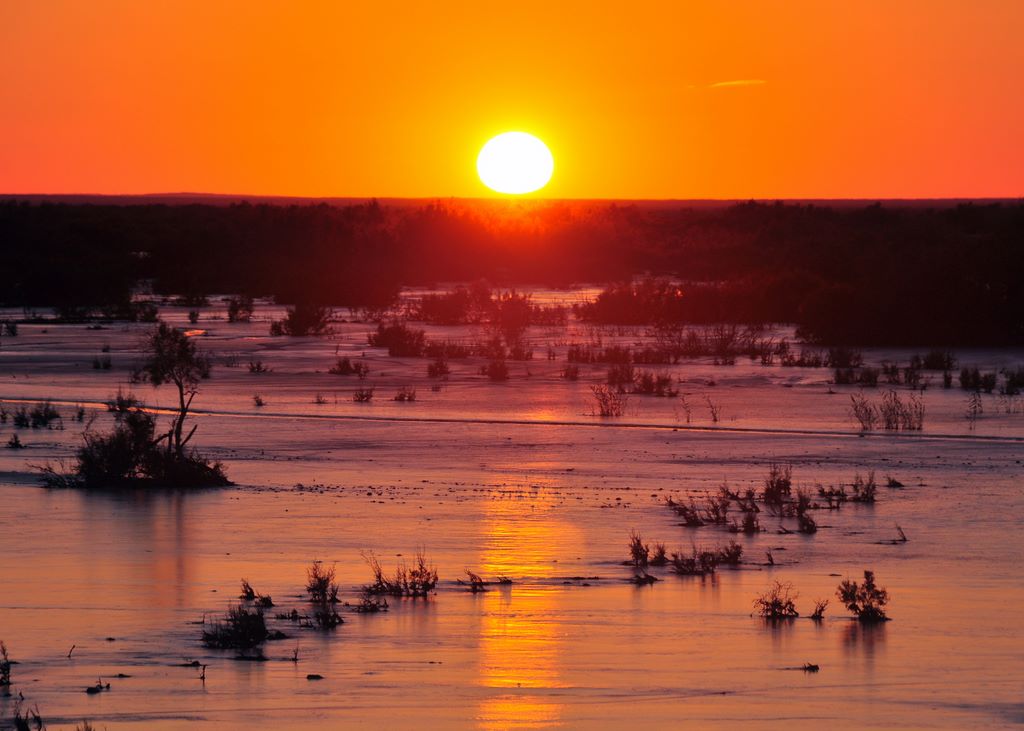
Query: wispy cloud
737	82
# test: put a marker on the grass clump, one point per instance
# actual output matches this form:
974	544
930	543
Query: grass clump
415	581
639	552
320	583
699	562
240	629
778	486
609	402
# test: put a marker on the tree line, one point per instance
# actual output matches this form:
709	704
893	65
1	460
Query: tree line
866	274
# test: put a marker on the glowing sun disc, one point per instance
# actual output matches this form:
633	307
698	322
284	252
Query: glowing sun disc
515	163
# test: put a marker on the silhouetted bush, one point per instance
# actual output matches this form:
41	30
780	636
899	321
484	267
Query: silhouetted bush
399	339
415	581
496	370
866	601
699	562
609	403
240	308
438	368
305	318
779	602
320	583
639	552
346	367
240	629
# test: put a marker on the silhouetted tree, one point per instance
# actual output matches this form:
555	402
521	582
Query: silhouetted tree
172	357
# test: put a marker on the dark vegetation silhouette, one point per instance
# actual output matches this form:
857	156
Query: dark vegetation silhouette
135	452
866	601
873	274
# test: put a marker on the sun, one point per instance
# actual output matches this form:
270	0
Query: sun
515	163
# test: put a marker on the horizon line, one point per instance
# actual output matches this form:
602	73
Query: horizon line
428	198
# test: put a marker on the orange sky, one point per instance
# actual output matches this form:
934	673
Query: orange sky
636	100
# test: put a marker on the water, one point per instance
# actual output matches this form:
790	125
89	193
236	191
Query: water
542	501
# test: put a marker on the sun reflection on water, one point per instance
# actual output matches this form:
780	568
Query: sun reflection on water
520	644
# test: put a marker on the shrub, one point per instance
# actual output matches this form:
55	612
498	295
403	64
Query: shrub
717	510
778	602
658	556
438	369
476	584
122	403
863	411
731	554
406	393
346	367
5	667
749	526
15	442
130	454
40	416
363	395
496	370
305	318
868	377
571	372
866	601
320	584
842	357
651	384
689	512
620	376
258	401
844	376
240	308
416	581
1014	381
609	403
819	610
864	490
639	552
240	629
20	418
399	339
778	485
898	414
258	366
934	360
698	563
